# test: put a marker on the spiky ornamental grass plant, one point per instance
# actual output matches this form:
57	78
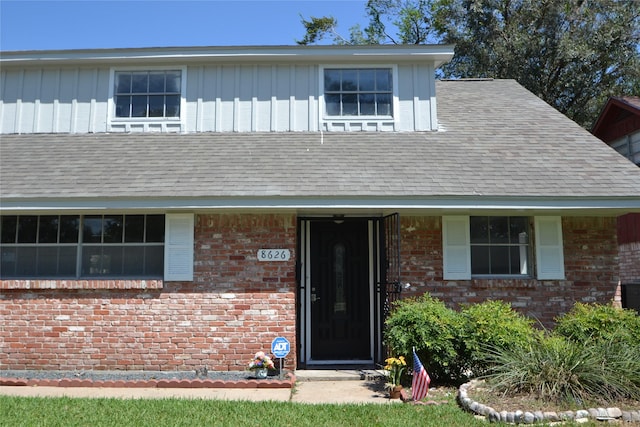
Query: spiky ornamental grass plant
563	371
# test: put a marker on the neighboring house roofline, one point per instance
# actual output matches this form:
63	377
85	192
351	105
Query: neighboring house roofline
439	53
602	127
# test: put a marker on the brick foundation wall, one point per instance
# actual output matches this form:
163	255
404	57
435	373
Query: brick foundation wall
591	270
235	307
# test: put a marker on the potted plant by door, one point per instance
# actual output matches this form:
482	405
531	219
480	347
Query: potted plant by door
395	368
261	363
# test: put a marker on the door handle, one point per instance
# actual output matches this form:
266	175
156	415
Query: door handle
314	298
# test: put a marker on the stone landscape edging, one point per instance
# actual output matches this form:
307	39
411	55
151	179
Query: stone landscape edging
288	382
532	417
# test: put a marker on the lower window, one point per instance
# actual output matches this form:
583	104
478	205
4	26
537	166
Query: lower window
82	246
499	245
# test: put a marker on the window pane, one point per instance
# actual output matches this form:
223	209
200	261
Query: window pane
518	229
48	230
350	105
519	261
480	260
139	83
384	104
47	261
383	80
367	104
113	229
499	229
9	226
134	229
500	260
173	82
133	260
92	261
332	80
154	261
67	261
139	106
173	105
155	229
27	228
123	106
123	83
349	80
92	229
156	82
367	80
8	257
333	104
156	106
112	260
26	261
479	229
69	227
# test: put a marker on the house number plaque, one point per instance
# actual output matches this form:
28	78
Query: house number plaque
274	254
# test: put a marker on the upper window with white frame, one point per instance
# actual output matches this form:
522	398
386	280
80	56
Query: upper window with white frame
147	93
357	92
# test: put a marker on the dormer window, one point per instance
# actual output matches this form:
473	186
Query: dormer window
359	98
147	93
150	99
350	92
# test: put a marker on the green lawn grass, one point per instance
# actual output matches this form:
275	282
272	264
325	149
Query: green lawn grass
21	411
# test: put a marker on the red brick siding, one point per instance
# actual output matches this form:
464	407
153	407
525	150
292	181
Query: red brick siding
591	270
630	262
235	307
629	239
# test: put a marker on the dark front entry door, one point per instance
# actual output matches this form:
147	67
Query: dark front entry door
340	292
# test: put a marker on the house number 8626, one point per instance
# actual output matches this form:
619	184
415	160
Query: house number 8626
274	254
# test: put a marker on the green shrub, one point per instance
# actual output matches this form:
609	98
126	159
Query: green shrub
434	330
557	369
599	322
494	324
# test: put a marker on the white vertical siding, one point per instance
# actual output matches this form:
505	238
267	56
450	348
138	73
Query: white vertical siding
415	85
218	98
629	146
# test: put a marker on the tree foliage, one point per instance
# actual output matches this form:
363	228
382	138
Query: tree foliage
571	53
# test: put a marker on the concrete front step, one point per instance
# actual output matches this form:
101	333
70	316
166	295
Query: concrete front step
338	375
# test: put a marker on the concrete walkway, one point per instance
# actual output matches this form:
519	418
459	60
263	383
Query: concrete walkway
311	387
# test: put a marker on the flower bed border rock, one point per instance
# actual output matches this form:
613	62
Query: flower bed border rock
532	417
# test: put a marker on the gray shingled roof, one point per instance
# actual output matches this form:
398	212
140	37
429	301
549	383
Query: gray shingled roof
497	140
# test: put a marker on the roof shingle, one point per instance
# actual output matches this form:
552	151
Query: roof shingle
496	139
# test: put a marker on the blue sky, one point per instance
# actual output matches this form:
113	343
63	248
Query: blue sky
78	24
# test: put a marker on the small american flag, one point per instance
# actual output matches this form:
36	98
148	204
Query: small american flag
421	380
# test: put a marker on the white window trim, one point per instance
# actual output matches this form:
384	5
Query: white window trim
178	247
324	118
111	107
456	249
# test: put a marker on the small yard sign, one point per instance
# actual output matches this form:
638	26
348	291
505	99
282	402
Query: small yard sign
280	347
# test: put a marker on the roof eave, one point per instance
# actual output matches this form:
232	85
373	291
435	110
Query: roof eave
439	53
582	206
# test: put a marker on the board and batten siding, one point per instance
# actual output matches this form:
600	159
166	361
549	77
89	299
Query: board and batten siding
628	146
217	98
